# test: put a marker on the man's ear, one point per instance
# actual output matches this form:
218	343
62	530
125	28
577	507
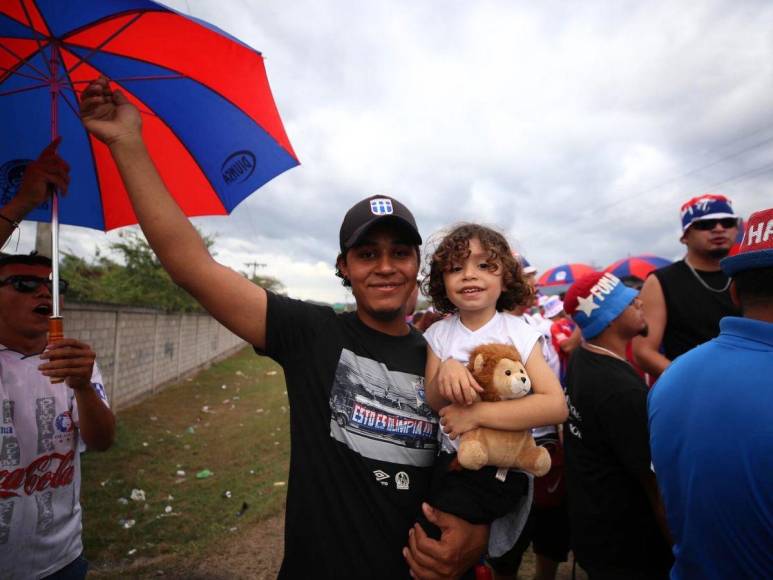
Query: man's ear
342	267
734	294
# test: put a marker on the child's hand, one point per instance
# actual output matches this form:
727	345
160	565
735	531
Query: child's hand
456	384
458	419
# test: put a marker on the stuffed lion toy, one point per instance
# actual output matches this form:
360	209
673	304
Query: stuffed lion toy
499	370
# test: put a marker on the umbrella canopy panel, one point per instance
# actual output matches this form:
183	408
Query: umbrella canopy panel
209	118
564	274
639	266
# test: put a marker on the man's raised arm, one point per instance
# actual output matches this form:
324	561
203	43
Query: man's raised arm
236	302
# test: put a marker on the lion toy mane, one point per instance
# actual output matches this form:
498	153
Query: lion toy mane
500	372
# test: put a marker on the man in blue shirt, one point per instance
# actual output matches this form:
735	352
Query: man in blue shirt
711	430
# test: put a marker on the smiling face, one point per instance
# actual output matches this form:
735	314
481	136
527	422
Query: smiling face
382	270
475	283
24	315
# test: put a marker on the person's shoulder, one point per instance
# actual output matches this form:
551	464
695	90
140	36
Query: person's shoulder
666	272
517	324
285	304
441	328
608	375
683	367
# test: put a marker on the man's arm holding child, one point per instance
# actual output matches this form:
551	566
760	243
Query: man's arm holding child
460	546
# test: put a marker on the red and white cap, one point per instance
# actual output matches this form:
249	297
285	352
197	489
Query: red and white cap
757	245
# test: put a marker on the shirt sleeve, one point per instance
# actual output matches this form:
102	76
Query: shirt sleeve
292	326
623	417
98	385
434	339
524	338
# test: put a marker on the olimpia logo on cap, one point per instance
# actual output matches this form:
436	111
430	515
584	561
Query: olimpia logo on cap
381	206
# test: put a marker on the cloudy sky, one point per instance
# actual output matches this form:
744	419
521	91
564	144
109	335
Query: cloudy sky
577	128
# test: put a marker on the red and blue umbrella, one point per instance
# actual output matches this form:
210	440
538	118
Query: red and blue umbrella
564	275
639	266
209	118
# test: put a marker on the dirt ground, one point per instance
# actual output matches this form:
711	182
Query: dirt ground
257	554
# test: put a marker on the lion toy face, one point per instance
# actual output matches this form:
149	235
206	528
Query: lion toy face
499	370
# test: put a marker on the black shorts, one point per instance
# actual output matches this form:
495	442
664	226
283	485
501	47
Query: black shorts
548	530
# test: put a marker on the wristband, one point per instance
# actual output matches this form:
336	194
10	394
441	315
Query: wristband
13	223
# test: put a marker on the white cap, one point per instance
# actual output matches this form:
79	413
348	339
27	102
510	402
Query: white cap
553	306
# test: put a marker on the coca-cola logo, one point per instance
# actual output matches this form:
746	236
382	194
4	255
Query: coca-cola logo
47	471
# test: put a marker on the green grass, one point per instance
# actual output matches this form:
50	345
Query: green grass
247	450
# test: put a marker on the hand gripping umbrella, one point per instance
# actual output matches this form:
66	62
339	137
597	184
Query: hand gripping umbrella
210	121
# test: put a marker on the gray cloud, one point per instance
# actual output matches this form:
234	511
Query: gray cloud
577	128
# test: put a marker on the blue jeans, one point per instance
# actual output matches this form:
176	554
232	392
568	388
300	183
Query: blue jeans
75	570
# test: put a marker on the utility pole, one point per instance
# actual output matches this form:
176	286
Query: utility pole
254	266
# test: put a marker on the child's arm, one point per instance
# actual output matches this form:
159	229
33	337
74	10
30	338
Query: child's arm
448	382
546	406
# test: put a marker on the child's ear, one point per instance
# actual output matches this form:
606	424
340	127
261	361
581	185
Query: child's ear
478	363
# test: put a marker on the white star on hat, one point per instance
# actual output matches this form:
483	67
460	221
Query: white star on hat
587	305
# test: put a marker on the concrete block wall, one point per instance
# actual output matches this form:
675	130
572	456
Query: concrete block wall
139	350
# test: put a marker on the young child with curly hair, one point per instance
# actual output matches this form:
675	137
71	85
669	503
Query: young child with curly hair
474	277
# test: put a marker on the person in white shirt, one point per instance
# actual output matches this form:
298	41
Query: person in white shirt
43	427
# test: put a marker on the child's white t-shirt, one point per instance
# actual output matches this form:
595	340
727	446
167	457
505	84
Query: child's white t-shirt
449	338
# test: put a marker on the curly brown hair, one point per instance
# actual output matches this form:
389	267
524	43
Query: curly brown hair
455	248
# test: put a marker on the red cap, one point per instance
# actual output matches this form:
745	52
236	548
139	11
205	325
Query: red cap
757	245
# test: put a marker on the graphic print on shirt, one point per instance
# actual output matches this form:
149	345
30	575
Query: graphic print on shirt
381	414
45	413
10	453
6	515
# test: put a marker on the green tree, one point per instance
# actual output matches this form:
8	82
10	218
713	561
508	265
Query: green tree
268	282
139	280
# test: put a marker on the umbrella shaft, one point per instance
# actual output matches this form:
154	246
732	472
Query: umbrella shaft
54	64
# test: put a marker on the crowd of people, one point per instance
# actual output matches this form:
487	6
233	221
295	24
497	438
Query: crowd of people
645	480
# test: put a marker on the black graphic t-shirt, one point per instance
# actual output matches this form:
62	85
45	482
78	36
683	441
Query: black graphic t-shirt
363	441
607	452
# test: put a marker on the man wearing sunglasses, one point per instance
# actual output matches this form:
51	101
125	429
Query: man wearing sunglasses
685	301
43	428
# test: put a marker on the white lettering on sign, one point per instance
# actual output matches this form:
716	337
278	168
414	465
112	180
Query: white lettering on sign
759	233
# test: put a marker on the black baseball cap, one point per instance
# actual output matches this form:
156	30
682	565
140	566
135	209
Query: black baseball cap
366	213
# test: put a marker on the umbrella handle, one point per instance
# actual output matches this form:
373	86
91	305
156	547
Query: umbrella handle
55	334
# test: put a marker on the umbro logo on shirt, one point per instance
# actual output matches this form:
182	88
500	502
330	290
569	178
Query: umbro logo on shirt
381	476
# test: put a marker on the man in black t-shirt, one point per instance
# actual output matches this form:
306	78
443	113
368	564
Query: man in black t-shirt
362	436
685	301
616	517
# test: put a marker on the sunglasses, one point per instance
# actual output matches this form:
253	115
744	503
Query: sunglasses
29	284
726	223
